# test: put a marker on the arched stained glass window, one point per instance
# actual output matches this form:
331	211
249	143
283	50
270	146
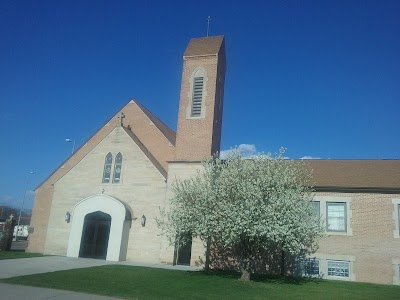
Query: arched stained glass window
107	168
117	168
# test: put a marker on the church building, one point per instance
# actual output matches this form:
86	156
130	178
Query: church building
103	200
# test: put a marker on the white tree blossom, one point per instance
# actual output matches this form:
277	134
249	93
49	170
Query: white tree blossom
247	205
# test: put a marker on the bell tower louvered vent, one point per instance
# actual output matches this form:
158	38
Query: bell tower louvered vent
198	85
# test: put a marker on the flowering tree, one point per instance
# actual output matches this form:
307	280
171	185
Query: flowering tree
247	205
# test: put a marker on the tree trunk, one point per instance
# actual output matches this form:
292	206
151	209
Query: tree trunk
207	263
245	276
244	258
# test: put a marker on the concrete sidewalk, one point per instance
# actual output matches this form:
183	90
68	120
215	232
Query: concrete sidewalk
20	292
36	265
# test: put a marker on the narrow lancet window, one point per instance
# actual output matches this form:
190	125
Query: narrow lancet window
117	168
197	100
107	168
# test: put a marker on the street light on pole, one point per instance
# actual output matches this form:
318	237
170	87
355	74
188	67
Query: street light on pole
23	201
73	144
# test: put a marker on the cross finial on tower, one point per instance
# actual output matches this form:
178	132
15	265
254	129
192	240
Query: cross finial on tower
208	24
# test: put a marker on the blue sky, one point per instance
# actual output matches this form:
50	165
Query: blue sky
320	78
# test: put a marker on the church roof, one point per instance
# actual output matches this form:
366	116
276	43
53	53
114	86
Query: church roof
365	174
204	46
147	152
157	137
166	131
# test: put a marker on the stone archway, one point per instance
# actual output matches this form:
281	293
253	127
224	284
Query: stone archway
100	228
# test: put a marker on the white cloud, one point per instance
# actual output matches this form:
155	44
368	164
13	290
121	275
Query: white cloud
247	150
309	157
250	150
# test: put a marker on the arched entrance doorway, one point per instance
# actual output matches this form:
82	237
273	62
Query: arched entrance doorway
95	234
100	228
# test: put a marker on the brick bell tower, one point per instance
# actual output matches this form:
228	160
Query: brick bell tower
201	100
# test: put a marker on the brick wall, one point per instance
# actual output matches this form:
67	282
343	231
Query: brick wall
372	242
198	138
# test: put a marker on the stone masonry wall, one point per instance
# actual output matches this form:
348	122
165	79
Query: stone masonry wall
44	193
142	188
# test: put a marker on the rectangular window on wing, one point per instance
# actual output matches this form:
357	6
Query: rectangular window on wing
336	216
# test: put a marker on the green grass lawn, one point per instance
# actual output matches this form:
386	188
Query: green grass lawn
148	283
17	254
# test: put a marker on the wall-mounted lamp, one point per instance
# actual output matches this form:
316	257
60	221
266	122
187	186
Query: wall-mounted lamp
143	221
67	217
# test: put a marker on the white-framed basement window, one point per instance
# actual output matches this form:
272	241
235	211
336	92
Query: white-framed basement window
338	268
335	266
311	267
